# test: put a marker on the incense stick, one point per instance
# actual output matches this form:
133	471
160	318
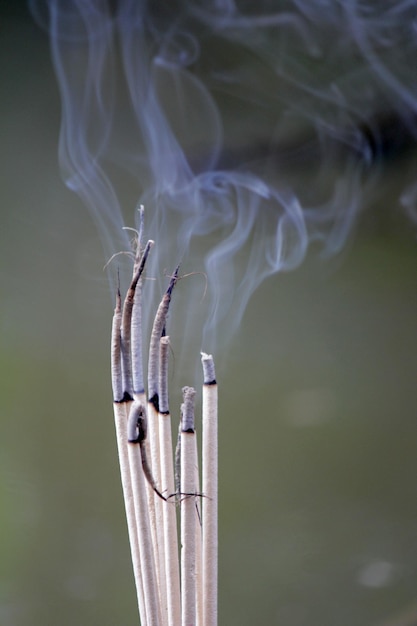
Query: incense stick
126	325
210	491
198	547
188	510
136	323
168	487
155	504
120	420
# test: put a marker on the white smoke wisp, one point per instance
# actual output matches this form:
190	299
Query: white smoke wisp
248	133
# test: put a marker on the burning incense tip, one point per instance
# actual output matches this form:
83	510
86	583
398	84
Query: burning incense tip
158	330
163	375
209	373
116	355
173	280
187	410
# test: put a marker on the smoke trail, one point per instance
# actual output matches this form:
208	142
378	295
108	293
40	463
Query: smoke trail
247	133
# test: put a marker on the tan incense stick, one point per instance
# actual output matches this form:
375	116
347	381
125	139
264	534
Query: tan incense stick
210	491
126	325
168	487
120	420
155	503
121	437
198	546
188	510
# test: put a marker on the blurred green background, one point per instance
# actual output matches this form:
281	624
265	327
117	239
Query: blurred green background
318	420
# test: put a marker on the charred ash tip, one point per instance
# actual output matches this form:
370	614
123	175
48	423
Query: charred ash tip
187	410
173	281
155	402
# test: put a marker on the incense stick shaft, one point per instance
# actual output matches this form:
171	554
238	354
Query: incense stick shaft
120	421
169	524
210	491
198	549
188	510
168	487
156	505
188	530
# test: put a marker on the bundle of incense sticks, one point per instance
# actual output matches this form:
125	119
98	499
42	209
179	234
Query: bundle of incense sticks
173	589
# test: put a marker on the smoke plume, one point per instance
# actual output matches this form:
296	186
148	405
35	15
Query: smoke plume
248	132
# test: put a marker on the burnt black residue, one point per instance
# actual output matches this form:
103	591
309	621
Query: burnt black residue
155	402
126	398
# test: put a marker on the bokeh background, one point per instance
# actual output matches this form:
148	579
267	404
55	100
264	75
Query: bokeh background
318	420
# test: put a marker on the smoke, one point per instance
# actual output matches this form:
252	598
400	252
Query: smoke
249	133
